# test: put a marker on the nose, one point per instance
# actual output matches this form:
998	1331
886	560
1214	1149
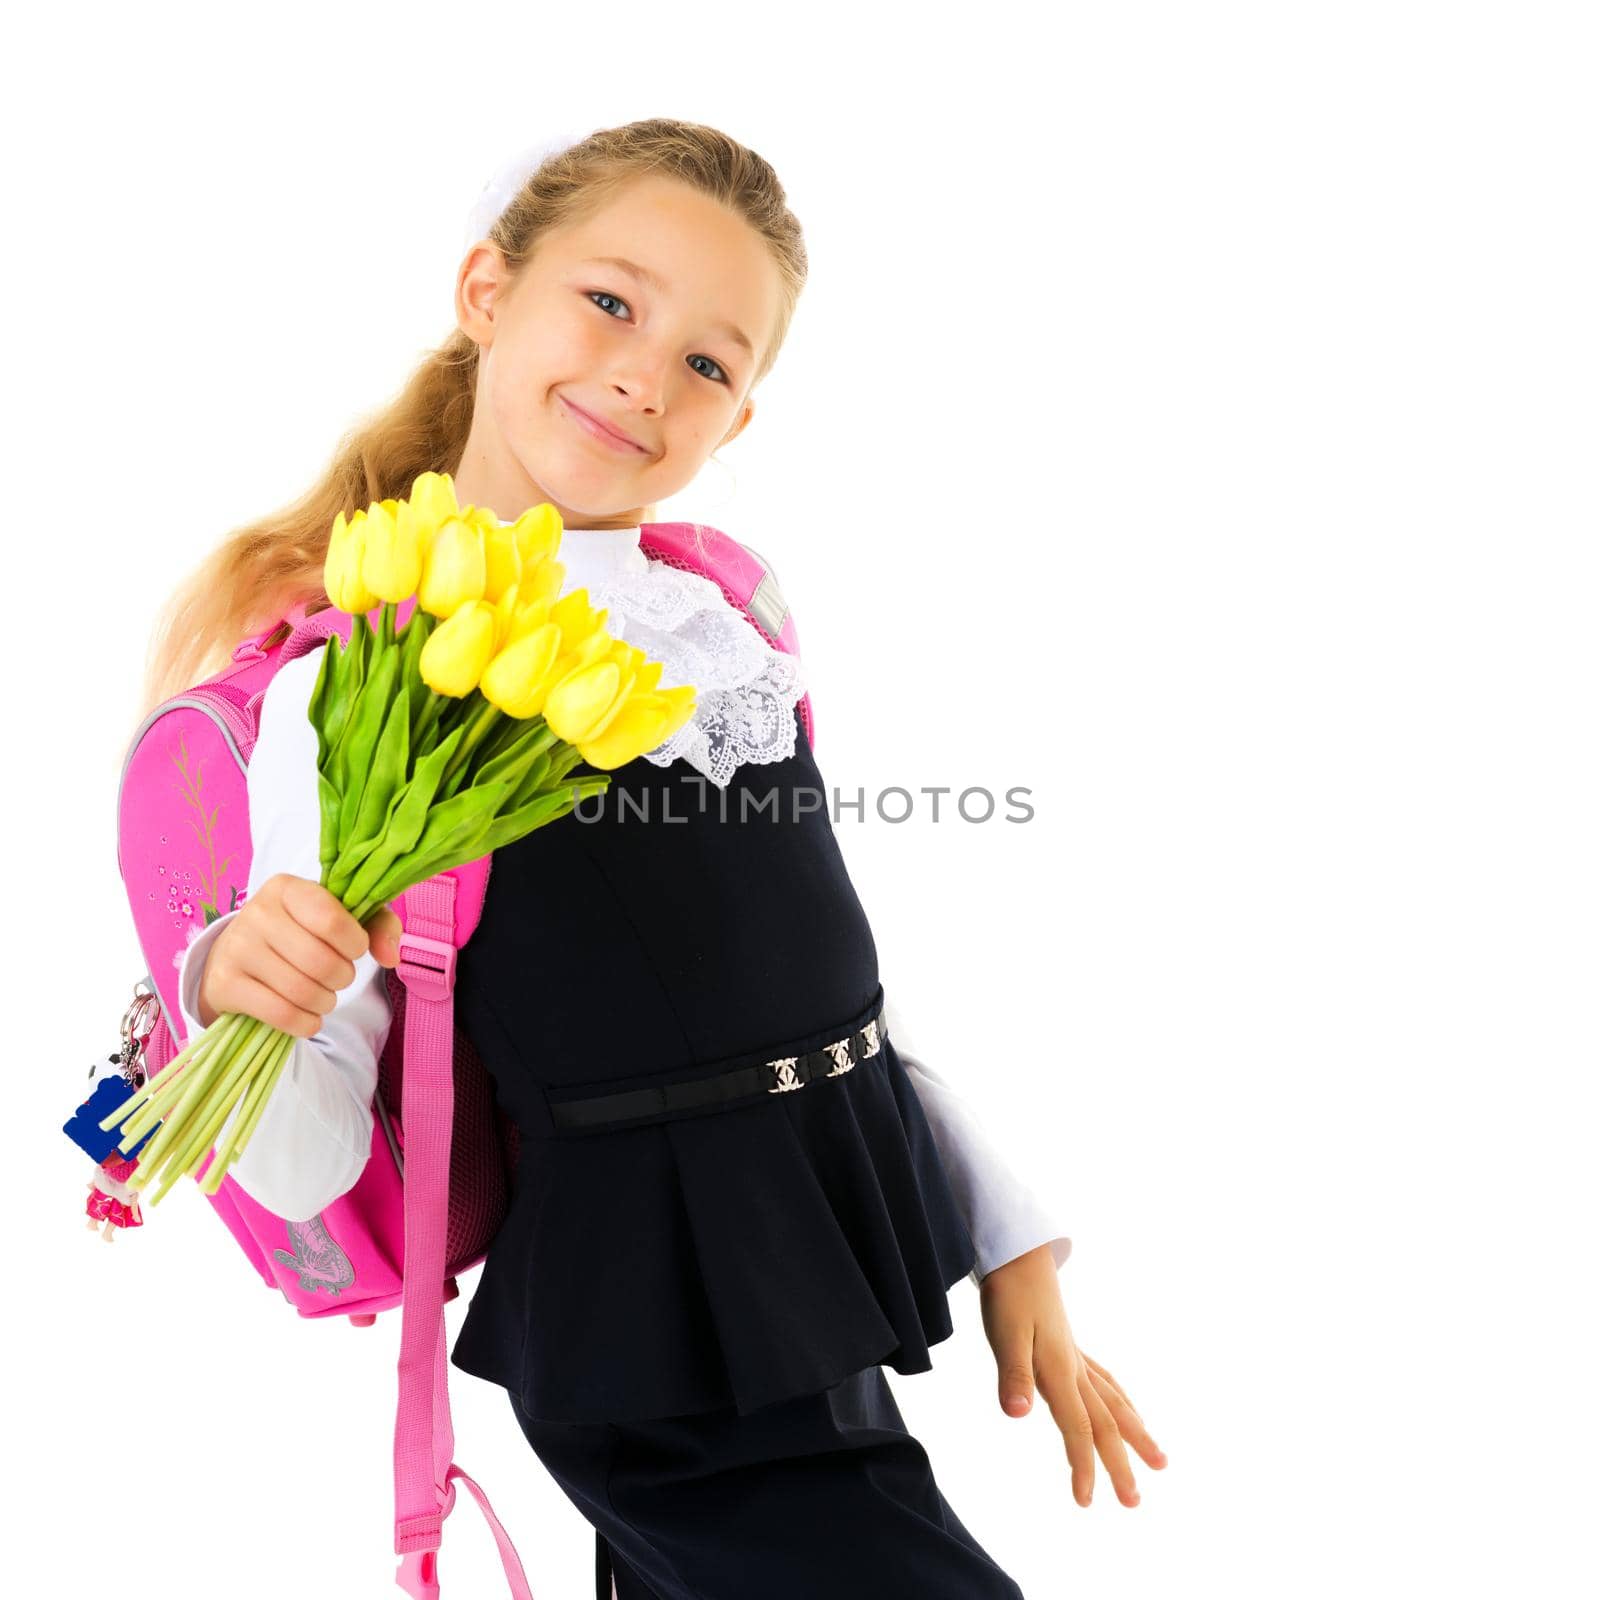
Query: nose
642	383
639	395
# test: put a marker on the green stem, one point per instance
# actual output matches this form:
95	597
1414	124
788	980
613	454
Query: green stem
151	1104
534	730
426	723
228	1149
250	1114
362	912
159	1083
153	1158
482	719
233	1083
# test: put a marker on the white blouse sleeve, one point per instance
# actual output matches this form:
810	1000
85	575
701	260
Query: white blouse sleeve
1004	1217
315	1133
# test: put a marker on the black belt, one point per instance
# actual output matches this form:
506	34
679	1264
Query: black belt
781	1075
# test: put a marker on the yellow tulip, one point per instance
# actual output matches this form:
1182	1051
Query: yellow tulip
505	610
542	579
538	533
681	700
391	563
625	659
645	721
593	648
525	616
458	650
564	664
581	700
502	562
575	617
341	568
584	642
525	605
454	569
515	678
433	502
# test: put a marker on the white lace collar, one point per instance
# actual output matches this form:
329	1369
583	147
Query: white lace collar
746	690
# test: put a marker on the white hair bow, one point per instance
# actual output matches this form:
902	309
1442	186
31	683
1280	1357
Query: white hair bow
501	189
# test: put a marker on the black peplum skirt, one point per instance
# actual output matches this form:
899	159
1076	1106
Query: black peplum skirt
738	1253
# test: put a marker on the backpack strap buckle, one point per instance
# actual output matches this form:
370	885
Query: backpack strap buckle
427	967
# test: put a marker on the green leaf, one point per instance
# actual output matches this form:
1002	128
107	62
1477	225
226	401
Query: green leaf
323	703
449	825
562	761
541	812
352	672
534	782
366	727
412	818
411	639
463	810
512	761
328	799
388	774
415	868
346	693
510	732
402	827
358	850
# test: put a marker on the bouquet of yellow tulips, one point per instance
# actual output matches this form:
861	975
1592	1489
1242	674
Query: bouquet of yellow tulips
436	744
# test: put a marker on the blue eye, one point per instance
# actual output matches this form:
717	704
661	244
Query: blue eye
597	295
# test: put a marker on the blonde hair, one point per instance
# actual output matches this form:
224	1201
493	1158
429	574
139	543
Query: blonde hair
261	570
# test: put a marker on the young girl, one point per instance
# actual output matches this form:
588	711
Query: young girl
689	1308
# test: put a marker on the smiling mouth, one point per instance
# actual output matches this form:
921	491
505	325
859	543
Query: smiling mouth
597	429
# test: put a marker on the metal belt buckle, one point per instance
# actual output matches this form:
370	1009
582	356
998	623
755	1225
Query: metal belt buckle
843	1058
783	1070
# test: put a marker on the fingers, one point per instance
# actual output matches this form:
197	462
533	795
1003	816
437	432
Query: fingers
1108	1441
295	977
1016	1377
1054	1364
320	913
1094	1366
256	999
290	955
1011	1338
383	932
1129	1421
309	968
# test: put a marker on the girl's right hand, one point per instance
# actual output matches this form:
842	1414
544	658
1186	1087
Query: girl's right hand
288	950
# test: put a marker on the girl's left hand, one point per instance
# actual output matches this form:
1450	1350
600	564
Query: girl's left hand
1026	1324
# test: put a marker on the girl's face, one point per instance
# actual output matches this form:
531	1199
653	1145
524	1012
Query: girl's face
581	349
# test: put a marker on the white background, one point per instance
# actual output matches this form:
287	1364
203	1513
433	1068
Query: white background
1191	417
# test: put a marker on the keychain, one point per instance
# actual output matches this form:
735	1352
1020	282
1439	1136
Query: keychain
111	1203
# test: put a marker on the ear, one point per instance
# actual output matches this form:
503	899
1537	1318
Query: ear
481	280
740	425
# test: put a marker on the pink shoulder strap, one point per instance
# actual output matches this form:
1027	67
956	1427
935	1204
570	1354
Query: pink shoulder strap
437	918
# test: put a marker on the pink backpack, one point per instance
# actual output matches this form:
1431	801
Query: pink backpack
436	1188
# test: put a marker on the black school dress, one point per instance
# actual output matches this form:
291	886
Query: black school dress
685	1259
714	1285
